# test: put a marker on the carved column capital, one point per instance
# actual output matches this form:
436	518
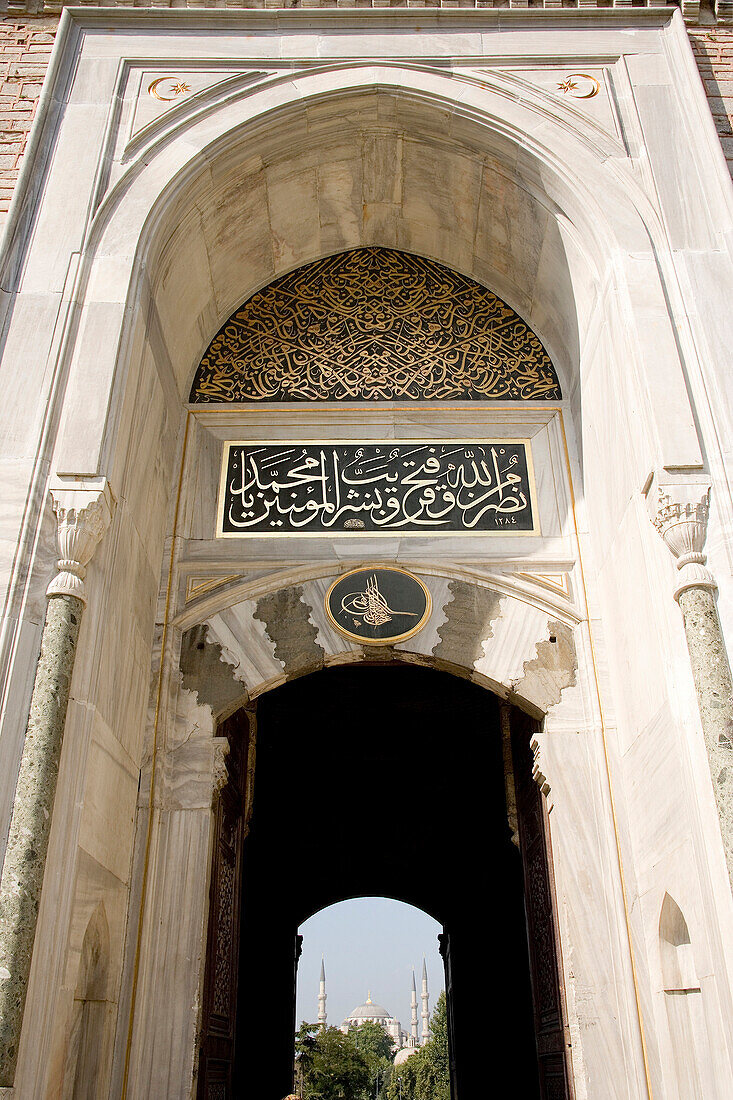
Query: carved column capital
83	509
219	770
682	521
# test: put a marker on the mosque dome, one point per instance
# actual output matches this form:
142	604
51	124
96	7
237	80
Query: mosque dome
402	1055
368	1011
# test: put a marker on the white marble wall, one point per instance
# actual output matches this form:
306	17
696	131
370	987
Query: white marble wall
606	224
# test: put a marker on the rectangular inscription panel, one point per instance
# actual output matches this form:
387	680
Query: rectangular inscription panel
385	487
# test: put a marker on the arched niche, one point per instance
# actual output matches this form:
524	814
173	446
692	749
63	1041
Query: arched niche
678	963
90	1038
257	202
683	999
238	197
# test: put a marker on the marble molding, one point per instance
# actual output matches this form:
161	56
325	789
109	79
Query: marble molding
690	9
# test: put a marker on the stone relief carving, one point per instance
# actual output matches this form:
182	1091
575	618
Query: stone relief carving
83	512
682	521
219	771
537	770
225	924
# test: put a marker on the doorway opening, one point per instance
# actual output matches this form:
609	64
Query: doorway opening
387	780
369	978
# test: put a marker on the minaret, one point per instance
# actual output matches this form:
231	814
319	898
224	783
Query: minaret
425	1009
413	1012
322	996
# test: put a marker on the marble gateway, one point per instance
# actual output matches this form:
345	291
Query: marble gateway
313	317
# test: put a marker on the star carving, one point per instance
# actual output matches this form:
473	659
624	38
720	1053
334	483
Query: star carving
568	85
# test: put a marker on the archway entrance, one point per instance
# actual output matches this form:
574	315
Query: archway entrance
370	973
391	780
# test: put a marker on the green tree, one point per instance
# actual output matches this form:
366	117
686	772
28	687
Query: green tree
377	1047
329	1066
373	1041
425	1075
404	1079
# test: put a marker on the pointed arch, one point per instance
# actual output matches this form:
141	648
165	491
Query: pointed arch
678	964
90	1036
683	1001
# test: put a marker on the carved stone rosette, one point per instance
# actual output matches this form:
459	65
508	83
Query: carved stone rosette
83	514
684	528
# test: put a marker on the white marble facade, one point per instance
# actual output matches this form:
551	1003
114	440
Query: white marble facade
138	226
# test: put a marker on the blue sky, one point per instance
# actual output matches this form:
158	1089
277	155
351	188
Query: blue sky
368	944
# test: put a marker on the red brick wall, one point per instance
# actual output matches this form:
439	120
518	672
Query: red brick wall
713	49
25	48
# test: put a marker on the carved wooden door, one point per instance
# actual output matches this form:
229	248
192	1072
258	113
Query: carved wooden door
218	1030
553	1039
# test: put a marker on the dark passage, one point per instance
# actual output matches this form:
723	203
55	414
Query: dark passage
351	764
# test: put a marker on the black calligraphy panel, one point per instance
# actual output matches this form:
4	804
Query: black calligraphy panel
337	488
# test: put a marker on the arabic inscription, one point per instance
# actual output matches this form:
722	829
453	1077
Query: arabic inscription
379	605
374	324
338	488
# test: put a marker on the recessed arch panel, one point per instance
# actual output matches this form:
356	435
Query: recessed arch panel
374	324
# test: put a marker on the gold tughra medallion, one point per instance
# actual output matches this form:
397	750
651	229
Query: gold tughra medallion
378	605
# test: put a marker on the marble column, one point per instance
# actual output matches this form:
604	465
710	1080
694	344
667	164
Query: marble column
682	524
83	512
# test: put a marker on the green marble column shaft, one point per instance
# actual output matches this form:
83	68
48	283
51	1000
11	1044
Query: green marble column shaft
25	858
712	675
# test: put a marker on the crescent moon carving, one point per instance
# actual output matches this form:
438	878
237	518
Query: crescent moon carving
595	86
177	89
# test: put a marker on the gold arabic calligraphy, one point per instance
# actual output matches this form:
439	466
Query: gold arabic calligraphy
379	325
370	605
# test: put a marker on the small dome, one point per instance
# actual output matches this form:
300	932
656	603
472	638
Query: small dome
402	1055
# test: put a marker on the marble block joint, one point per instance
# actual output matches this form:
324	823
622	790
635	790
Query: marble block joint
683	526
83	514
